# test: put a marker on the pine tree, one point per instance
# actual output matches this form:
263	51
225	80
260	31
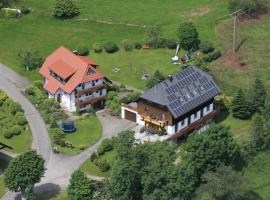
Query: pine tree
258	96
257	133
241	106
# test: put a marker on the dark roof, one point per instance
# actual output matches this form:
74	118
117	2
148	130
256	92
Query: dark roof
183	92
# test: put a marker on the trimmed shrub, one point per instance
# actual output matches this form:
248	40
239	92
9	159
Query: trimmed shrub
103	165
38	84
83	51
82	147
65	9
97	48
3	96
15	130
127	45
8	134
137	45
212	56
111	47
206	47
93	156
30	91
171	44
106	145
14	108
21	120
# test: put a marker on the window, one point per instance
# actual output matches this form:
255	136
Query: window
90	71
195	116
100	92
93	83
96	80
80	85
183	122
208	108
83	86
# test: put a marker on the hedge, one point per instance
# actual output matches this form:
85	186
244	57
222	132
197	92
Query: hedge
111	47
106	145
21	120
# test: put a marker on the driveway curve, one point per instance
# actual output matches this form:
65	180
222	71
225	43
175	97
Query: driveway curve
59	167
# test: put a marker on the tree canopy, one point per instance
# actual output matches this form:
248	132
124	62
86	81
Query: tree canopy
258	96
188	36
80	187
30	59
155	79
65	9
241	106
23	172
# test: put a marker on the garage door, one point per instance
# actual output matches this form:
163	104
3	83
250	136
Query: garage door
130	116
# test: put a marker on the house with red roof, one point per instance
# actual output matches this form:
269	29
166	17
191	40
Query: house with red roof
73	80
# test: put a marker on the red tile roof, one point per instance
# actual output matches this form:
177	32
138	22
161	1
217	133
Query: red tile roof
65	64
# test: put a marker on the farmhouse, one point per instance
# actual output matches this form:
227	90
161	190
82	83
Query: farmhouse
176	106
73	81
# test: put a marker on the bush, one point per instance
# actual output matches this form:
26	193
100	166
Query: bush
188	36
1	102
137	45
206	47
9	13
106	145
30	59
171	44
8	134
14	108
127	45
15	130
3	96
25	11
93	156
212	56
111	47
21	120
97	48
103	165
30	91
38	84
83	51
65	9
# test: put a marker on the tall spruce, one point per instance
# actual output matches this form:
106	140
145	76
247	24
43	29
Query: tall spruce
258	96
257	133
241	106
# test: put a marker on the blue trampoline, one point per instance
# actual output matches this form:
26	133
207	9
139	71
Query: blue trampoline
68	126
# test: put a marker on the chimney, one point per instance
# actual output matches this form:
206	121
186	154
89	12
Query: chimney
170	78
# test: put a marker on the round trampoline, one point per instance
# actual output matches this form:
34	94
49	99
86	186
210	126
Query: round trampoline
68	126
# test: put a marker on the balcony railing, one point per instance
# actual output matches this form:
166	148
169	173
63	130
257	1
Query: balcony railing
156	122
197	124
90	100
90	90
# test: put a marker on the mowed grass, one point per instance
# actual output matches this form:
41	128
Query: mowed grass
91	169
89	131
102	21
258	176
2	186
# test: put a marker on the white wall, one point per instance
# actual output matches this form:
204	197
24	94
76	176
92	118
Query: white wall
193	118
67	100
184	125
89	84
170	130
205	112
138	117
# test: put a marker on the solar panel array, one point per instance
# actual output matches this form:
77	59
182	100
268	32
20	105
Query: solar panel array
192	88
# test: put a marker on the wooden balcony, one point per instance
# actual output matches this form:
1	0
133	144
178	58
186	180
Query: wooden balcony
196	125
90	90
92	100
155	122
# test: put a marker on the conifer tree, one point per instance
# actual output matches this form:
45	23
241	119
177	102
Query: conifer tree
241	106
258	96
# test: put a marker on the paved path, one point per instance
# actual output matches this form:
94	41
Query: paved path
59	167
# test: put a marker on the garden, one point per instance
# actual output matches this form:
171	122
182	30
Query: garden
14	129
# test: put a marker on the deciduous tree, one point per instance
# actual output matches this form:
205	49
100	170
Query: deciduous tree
65	9
188	36
30	59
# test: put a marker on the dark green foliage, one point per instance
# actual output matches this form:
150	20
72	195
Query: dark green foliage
24	171
111	47
14	108
106	145
58	135
127	45
113	103
65	9
258	96
212	56
21	120
103	165
137	45
97	48
83	51
124	142
1	103
133	96
248	6
38	84
206	47
257	133
25	10
15	130
8	134
5	3
155	79
171	44
188	36
30	59
154	38
80	187
241	106
93	156
223	184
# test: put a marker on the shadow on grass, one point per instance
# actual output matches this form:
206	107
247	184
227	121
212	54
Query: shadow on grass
251	195
241	43
223	115
47	191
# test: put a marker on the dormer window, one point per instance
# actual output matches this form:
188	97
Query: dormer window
90	72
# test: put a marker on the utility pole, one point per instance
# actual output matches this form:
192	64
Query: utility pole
234	14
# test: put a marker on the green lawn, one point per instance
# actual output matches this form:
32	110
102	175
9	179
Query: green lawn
2	187
88	132
90	168
258	176
102	21
61	196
